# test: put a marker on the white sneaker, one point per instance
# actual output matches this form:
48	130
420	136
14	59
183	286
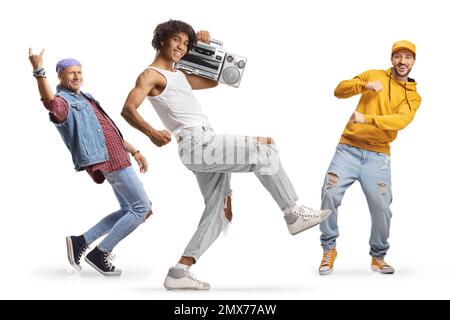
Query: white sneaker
183	278
302	218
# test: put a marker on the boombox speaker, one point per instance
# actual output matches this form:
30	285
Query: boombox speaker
232	69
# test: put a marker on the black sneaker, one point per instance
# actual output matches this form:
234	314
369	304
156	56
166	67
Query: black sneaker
76	247
102	262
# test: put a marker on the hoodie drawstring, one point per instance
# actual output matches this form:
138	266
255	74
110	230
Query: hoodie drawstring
390	79
406	95
404	88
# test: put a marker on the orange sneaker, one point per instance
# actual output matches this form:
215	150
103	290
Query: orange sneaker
379	265
326	266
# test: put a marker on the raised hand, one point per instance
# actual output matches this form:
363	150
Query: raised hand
203	36
35	59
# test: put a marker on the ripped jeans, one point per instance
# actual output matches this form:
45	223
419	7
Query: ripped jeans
212	158
373	171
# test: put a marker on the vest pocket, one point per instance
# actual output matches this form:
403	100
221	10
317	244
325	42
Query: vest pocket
79	111
77	105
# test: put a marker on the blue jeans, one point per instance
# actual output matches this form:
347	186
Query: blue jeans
134	207
373	171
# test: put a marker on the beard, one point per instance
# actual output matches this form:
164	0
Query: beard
400	73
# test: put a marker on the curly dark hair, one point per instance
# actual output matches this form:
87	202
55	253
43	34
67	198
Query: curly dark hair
167	29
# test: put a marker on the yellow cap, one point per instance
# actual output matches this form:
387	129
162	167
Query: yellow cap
404	44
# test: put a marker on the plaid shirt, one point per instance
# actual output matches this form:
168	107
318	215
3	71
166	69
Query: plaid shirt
118	157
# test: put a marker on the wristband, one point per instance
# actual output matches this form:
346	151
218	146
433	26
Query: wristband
39	72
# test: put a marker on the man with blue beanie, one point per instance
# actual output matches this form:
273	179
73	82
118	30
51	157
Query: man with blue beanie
97	146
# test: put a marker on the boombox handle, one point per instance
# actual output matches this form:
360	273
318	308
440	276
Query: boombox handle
216	42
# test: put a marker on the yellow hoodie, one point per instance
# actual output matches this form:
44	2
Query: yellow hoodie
386	111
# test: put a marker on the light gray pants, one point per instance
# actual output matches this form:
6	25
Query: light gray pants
213	157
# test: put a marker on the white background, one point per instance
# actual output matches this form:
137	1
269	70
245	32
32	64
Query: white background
297	53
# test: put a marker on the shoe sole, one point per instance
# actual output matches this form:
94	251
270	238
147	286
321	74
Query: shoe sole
70	254
186	288
183	288
108	274
325	272
297	232
382	272
311	226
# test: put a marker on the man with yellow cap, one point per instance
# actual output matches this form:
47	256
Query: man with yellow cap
388	103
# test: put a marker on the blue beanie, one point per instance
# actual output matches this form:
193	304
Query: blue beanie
65	63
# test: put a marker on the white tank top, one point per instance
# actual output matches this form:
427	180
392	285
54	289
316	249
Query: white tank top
176	106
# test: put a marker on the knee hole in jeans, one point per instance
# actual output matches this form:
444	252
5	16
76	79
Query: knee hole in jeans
227	208
332	180
382	187
262	140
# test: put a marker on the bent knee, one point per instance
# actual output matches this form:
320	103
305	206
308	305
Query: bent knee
143	211
261	140
264	140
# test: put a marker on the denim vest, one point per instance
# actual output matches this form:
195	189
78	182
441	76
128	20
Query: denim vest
81	130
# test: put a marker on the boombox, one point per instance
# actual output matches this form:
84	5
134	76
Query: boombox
211	61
